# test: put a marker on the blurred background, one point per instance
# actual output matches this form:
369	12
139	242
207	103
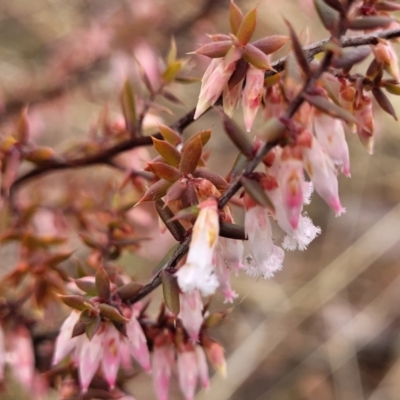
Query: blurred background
326	327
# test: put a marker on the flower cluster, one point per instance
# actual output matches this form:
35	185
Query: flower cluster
310	102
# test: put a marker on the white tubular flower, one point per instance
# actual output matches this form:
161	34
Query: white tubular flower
198	271
266	257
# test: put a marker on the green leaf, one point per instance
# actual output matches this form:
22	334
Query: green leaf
328	16
257	192
371	22
172	71
89	287
170	292
111	313
75	301
170	135
330	108
93	326
170	154
238	137
128	106
129	290
247	27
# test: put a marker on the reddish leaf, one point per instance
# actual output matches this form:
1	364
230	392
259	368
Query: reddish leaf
271	44
298	51
165	171
191	155
383	101
238	137
102	283
156	191
215	49
235	17
330	108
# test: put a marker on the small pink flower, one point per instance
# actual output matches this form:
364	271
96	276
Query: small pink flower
163	359
90	356
252	94
223	274
20	355
385	54
198	271
191	313
202	367
330	135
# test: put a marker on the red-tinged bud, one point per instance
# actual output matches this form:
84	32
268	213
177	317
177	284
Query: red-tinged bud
252	95
170	135
322	173
215	355
384	53
163	360
215	78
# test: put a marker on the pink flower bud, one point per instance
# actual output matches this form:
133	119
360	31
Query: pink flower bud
323	176
215	78
330	135
162	362
137	343
188	372
365	123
